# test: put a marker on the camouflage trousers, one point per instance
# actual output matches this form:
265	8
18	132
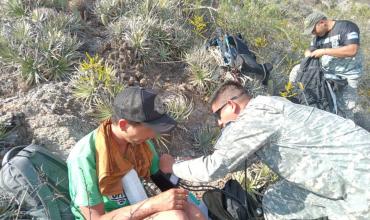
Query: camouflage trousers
285	200
346	99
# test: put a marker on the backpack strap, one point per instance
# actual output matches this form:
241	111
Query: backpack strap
26	168
10	154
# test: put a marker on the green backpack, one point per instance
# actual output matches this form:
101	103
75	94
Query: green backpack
38	182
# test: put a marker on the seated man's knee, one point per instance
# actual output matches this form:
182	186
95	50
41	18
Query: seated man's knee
170	214
178	215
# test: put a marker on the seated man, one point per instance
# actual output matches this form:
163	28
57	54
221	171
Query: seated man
98	162
337	44
322	159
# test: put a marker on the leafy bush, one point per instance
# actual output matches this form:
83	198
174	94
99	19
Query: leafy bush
23	8
103	110
94	83
3	131
205	138
110	10
256	178
202	70
157	30
179	107
39	51
153	39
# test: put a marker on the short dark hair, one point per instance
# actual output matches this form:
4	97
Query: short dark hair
229	87
115	118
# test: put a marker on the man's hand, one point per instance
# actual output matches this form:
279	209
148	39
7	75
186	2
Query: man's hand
307	53
165	163
174	198
318	53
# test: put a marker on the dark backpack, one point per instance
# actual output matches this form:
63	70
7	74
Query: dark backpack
236	55
317	91
38	182
231	203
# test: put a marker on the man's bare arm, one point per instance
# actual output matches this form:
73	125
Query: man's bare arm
341	52
169	200
137	211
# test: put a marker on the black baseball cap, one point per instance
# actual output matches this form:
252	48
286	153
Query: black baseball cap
143	105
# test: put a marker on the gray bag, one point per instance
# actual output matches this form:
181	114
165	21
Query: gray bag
38	182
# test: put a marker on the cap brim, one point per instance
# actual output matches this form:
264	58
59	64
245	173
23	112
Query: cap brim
162	125
308	31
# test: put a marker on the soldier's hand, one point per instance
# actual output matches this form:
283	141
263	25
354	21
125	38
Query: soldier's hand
165	163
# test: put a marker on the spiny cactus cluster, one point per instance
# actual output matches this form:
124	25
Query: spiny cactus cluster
123	58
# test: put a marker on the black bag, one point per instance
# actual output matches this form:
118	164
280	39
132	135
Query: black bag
236	54
317	91
231	203
38	181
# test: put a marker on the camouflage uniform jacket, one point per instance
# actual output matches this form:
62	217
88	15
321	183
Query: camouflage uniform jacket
314	149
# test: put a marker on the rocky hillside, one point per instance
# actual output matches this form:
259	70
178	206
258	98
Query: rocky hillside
61	62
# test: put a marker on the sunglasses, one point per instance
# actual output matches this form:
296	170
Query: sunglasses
217	114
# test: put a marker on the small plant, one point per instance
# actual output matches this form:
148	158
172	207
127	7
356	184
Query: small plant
202	69
95	82
63	22
15	8
179	107
260	42
3	131
103	110
111	10
289	91
200	77
163	141
8	207
24	8
43	14
39	50
163	54
253	86
135	33
199	24
155	30
258	176
205	138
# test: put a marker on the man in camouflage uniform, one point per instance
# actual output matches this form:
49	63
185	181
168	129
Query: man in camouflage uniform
336	43
323	160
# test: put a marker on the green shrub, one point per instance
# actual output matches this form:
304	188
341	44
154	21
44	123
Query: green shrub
15	8
157	29
179	107
95	85
110	10
39	50
205	138
24	8
153	40
202	70
258	177
103	110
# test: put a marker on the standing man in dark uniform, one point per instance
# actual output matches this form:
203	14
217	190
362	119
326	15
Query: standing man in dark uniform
337	44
